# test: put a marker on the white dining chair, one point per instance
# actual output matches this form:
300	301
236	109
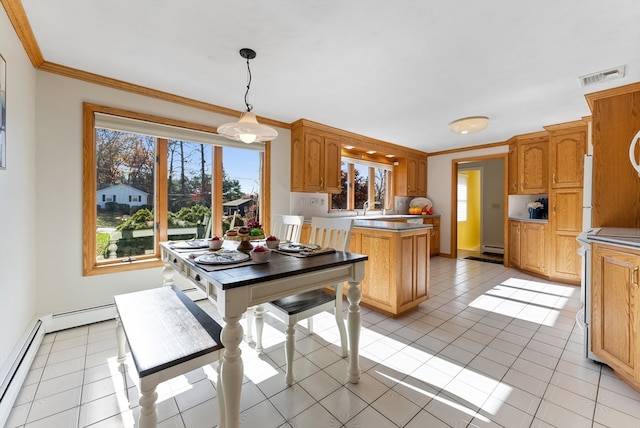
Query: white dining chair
285	228
325	232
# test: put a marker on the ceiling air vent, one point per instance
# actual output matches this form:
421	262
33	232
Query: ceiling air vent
602	76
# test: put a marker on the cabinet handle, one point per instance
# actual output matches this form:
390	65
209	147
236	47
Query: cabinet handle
197	278
321	181
634	277
553	178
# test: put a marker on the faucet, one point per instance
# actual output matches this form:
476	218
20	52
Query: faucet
369	204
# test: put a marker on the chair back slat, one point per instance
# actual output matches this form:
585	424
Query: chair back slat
287	227
331	232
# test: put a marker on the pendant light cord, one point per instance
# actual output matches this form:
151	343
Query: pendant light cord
246	94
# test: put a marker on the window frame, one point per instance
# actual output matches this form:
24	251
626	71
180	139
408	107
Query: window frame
90	265
351	161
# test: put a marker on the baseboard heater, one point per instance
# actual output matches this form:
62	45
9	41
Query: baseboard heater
13	377
495	249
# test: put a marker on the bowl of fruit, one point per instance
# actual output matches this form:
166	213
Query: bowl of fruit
272	242
215	243
260	254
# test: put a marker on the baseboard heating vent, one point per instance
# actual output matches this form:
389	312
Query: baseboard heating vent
492	249
13	377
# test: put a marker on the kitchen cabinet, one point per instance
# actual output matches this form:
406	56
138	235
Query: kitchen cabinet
567	147
615	310
512	161
528	160
528	246
396	276
534	254
315	159
514	244
565	223
434	243
410	176
616	186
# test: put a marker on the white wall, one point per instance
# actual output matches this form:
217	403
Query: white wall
61	286
439	170
18	206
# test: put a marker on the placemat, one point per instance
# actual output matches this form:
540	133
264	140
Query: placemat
212	268
303	254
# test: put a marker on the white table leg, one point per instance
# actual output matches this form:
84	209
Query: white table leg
222	422
259	313
148	411
167	273
120	337
289	348
249	318
354	295
232	370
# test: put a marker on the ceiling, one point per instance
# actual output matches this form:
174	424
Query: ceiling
395	70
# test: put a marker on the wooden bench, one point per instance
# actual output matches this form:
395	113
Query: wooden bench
168	336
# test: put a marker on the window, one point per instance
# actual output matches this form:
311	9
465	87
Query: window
363	181
463	194
158	179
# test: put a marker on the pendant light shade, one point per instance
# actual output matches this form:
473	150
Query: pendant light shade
247	129
469	125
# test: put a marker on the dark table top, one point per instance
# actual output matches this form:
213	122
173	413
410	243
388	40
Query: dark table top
279	266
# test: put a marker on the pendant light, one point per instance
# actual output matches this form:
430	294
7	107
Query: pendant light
247	129
469	125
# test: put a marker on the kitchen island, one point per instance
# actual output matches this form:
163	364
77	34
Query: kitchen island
396	276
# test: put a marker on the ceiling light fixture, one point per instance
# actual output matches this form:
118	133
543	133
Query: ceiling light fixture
469	125
371	152
247	129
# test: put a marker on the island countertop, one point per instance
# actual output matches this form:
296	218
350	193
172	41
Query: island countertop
389	225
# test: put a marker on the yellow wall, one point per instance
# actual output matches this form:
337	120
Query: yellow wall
469	231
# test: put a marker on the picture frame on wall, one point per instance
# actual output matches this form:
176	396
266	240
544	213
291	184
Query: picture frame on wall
3	113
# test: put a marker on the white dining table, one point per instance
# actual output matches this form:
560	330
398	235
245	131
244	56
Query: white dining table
234	289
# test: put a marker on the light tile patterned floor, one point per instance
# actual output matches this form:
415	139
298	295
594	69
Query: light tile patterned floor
491	347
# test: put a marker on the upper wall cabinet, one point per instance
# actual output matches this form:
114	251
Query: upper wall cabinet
616	185
567	147
529	164
315	160
410	176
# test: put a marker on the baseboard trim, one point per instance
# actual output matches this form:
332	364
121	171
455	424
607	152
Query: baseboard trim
17	367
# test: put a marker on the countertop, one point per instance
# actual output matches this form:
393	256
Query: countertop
389	225
533	220
625	237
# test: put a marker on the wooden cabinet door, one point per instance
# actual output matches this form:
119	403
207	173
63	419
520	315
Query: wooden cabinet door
421	178
533	247
434	240
331	163
514	244
566	157
533	166
513	168
313	162
565	221
412	177
615	301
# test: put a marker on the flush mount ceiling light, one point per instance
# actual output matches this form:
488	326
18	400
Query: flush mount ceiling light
469	125
247	129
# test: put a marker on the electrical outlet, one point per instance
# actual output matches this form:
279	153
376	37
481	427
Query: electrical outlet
321	202
495	206
313	201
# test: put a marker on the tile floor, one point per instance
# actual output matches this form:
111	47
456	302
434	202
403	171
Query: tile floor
491	347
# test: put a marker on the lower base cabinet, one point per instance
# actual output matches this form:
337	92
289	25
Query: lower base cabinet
615	310
435	234
528	246
396	276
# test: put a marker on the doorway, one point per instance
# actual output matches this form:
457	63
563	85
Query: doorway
479	207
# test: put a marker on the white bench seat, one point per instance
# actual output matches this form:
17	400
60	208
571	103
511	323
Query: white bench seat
168	336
